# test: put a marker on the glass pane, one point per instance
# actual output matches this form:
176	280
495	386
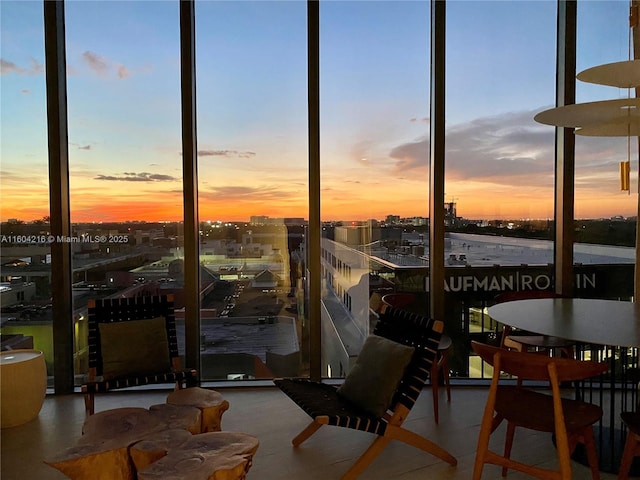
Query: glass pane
499	163
124	150
25	266
374	93
252	168
605	215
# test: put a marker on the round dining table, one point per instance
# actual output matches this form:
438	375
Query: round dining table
612	324
586	320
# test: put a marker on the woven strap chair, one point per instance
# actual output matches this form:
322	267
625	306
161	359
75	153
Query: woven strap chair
570	420
132	342
327	406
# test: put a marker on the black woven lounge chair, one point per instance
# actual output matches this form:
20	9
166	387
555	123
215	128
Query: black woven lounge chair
326	405
132	342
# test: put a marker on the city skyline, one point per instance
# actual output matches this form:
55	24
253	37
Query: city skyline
124	112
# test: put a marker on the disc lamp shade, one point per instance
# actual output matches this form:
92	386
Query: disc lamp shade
620	117
624	74
605	118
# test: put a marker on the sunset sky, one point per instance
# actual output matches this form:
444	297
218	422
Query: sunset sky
124	109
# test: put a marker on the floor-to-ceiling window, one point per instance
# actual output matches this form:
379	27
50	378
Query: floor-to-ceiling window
499	173
605	215
25	265
374	104
253	163
253	187
124	154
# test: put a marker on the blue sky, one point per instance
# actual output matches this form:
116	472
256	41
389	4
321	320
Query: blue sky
124	115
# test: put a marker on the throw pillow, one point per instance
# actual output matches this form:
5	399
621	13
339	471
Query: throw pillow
374	378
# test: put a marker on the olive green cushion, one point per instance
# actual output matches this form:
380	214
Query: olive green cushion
374	378
134	347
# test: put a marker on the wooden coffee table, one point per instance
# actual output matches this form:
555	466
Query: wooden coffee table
209	402
130	443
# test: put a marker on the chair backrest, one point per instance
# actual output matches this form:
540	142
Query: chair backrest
531	366
113	310
417	331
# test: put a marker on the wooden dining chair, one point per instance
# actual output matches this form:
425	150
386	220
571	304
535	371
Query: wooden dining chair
570	420
631	420
631	445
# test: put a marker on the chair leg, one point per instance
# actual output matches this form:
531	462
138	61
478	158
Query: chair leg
366	458
483	446
631	448
440	364
563	450
89	404
434	388
495	422
394	432
508	443
478	464
306	433
592	454
445	374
